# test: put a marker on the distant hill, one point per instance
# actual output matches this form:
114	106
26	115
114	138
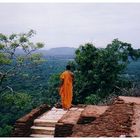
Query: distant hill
59	51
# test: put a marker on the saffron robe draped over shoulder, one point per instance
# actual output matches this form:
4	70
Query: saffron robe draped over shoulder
66	89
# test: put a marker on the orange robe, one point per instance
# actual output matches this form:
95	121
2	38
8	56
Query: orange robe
66	89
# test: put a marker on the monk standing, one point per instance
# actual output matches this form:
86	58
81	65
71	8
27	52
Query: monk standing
66	88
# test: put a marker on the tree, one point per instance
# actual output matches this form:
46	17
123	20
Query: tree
16	52
100	71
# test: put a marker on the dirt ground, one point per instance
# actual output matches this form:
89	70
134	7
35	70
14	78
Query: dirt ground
122	119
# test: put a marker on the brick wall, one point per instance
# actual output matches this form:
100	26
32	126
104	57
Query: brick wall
22	125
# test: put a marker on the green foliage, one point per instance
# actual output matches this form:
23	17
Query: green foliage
4	59
92	99
39	45
101	69
36	58
3	38
52	92
5	130
19	100
13	106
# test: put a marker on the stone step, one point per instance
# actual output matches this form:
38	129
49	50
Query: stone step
71	117
39	136
45	123
43	130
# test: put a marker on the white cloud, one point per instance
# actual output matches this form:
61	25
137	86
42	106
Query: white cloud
73	24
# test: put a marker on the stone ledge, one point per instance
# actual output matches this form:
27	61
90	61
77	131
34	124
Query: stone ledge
23	125
63	130
90	113
65	125
129	99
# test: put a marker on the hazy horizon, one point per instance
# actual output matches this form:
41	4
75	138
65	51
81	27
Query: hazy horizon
73	24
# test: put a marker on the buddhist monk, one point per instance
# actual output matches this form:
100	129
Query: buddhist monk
66	88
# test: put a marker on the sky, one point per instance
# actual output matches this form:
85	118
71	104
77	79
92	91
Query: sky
73	24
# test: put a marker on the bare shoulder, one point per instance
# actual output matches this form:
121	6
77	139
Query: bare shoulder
72	74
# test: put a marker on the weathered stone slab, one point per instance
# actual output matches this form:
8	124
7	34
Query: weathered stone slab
93	110
43	130
90	113
64	126
45	123
46	120
40	136
63	130
52	115
33	114
74	108
71	117
22	125
129	99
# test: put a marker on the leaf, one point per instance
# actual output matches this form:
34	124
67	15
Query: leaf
23	39
3	37
11	37
39	45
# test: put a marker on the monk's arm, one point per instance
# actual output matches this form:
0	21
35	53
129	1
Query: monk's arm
72	76
61	82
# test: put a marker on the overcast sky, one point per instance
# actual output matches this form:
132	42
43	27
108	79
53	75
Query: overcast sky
70	25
